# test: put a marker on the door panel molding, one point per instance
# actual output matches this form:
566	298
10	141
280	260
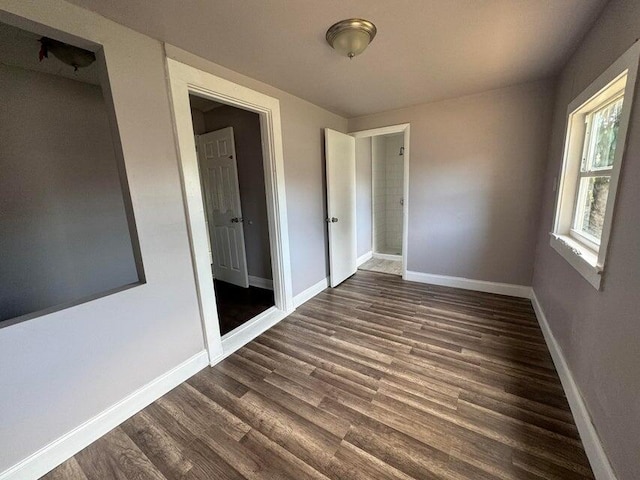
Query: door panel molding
219	176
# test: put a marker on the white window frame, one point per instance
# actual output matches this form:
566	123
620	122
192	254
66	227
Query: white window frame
584	253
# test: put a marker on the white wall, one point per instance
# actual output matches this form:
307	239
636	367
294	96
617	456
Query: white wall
476	171
393	192
363	195
64	228
378	157
386	169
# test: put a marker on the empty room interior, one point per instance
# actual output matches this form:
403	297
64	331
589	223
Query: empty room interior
336	240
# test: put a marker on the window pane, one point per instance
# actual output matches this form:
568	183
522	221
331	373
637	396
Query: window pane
604	135
591	205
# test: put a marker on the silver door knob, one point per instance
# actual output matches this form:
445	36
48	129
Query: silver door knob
331	220
236	220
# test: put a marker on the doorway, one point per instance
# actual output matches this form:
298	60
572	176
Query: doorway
229	148
382	163
388	198
184	81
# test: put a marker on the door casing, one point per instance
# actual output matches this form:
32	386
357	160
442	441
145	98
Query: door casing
223	208
184	80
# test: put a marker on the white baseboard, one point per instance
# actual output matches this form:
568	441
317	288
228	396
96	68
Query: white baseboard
387	256
364	258
512	290
592	445
242	335
63	448
310	292
260	282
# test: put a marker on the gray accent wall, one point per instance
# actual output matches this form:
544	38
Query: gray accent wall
476	170
246	132
388	186
599	331
64	227
197	117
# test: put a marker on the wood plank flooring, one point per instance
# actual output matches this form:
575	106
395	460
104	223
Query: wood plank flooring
376	379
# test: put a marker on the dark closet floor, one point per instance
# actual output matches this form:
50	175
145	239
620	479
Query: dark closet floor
236	305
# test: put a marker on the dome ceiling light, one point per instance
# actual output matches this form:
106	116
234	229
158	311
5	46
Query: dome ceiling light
74	56
351	37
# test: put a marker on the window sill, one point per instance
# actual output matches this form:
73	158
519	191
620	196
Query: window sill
584	260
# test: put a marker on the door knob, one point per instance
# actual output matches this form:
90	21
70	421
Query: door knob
236	220
331	220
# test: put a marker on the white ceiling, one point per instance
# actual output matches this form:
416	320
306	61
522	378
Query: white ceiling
425	50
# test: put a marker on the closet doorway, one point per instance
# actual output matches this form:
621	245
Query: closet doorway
185	80
231	165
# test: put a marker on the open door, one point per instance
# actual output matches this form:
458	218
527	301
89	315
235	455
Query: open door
340	153
217	157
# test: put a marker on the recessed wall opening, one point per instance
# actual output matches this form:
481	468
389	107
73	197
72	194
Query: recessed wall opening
231	165
67	228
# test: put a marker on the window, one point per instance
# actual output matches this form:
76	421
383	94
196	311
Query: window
594	148
594	177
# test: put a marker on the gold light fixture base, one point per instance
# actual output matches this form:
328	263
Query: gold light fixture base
350	37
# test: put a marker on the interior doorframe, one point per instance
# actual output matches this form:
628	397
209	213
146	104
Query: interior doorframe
404	128
184	80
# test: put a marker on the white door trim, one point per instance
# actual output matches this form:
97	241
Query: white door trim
183	80
404	128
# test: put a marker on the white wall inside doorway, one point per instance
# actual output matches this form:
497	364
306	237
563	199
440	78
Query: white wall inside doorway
388	193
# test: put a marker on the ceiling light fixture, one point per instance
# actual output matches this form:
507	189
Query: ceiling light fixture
75	56
350	37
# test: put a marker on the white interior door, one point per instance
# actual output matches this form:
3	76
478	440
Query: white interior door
219	173
340	153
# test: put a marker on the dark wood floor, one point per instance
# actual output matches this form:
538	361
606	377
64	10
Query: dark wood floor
377	379
237	305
